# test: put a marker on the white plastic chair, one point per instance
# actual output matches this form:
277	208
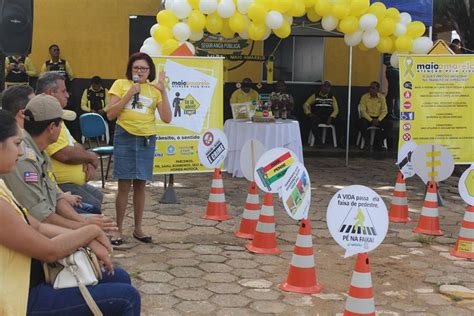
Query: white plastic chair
373	130
312	139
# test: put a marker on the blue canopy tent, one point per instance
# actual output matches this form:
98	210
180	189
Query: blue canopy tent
420	10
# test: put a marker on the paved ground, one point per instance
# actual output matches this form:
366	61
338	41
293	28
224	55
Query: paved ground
198	267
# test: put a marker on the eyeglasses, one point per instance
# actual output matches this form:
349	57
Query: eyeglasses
140	69
55	49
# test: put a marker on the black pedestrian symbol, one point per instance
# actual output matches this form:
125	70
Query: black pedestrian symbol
176	101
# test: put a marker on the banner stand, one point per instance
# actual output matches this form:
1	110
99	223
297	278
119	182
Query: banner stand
169	196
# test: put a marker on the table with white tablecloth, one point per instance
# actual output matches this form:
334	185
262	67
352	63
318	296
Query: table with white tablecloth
282	133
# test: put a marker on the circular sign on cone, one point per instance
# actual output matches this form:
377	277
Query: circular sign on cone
212	148
296	191
271	168
249	155
357	219
432	162
466	185
404	159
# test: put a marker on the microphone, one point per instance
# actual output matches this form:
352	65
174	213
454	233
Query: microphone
136	79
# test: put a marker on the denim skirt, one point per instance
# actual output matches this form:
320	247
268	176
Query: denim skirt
133	155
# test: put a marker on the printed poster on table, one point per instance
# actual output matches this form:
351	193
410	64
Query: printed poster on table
436	103
195	91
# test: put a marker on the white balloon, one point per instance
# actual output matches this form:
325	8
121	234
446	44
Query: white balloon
353	39
400	29
181	31
152	43
405	18
208	6
150	50
274	20
153	28
244	34
169	4
371	38
243	5
394	60
181	8
368	22
196	36
226	8
329	22
190	46
422	45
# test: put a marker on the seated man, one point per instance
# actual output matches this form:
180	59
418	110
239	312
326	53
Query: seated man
245	93
32	182
321	108
73	166
18	70
373	112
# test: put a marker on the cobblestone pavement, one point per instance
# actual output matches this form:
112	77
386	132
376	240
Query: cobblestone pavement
198	267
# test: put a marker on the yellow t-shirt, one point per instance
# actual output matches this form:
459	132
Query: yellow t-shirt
239	96
15	272
65	173
373	107
137	119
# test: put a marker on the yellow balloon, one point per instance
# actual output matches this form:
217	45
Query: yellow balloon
378	9
349	24
166	18
386	27
237	22
256	31
267	4
194	4
169	46
393	14
362	47
340	10
257	13
404	43
385	44
196	20
281	6
226	31
359	7
309	3
284	31
322	7
297	9
214	23
313	16
415	29
162	34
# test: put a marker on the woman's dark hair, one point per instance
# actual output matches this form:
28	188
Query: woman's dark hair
149	61
8	125
35	128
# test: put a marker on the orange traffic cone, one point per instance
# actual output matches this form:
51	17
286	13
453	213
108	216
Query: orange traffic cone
251	213
398	212
465	243
360	300
264	239
216	207
302	274
429	219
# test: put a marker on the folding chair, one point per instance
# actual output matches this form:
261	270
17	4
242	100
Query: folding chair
94	126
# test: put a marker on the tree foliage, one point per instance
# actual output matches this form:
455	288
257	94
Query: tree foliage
457	15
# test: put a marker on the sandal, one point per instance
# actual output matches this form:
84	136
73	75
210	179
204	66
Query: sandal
144	239
116	242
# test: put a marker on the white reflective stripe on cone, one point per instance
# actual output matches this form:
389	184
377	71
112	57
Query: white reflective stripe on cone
400	187
361	280
431	197
469	217
266	227
267	210
466	233
429	212
217	183
304	241
251	214
252	198
216	198
302	261
399	200
360	305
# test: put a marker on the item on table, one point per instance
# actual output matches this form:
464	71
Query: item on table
280	102
263	112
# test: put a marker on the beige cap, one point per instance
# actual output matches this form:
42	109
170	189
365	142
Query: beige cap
45	108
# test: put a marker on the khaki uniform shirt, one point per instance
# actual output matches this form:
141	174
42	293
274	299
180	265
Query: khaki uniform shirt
32	182
373	107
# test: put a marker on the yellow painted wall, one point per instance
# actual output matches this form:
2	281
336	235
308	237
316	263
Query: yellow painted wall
92	34
366	65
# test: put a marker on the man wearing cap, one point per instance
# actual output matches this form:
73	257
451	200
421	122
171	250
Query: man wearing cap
73	166
32	182
321	108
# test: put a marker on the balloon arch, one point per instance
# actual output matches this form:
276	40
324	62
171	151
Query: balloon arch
363	25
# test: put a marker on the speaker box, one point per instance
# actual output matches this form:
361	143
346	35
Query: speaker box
16	26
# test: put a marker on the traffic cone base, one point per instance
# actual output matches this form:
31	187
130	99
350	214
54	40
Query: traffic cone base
360	299
267	251
465	242
428	223
250	215
398	211
216	206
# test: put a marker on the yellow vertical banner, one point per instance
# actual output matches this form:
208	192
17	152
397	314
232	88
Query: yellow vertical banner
194	88
437	103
